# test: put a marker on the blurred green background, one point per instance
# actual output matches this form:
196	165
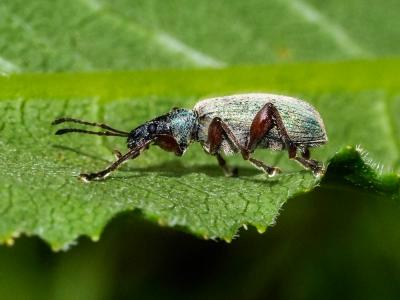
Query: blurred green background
331	243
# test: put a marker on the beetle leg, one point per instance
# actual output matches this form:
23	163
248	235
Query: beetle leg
305	153
229	172
271	171
315	166
131	154
216	131
263	122
267	118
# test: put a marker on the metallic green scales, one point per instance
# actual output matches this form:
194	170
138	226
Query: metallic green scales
302	122
182	122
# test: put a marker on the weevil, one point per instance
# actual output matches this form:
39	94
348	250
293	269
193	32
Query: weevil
224	125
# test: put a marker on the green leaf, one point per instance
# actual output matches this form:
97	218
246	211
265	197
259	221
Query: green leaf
41	195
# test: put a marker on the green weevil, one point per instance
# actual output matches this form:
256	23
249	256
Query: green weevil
224	125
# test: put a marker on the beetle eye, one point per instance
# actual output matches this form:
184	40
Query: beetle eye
152	128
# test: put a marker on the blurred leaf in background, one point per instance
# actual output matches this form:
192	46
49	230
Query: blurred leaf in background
88	35
337	241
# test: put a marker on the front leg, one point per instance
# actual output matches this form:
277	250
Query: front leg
131	154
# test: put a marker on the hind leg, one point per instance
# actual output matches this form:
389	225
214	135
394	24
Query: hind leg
271	171
315	166
266	119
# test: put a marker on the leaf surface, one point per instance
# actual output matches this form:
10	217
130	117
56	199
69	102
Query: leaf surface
41	195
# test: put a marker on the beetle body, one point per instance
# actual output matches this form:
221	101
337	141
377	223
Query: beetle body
302	122
225	125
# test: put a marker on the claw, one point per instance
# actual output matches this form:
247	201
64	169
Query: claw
317	168
92	176
234	172
273	171
318	171
84	178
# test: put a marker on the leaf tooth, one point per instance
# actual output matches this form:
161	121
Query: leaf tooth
261	228
162	222
228	239
10	241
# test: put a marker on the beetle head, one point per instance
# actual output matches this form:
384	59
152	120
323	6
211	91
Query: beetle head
172	132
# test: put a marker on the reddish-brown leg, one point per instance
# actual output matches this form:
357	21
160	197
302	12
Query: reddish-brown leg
217	131
315	166
169	144
266	119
